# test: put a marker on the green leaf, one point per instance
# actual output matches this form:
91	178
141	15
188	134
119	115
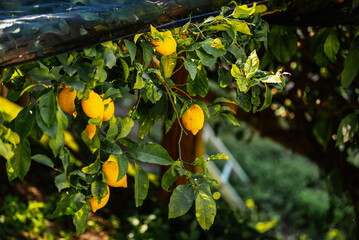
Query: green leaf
131	48
6	150
231	118
21	160
61	182
74	82
126	69
57	143
205	209
206	59
348	127
122	163
112	93
92	168
109	58
224	78
351	65
214	47
252	64
147	53
202	163
140	83
62	205
331	46
43	159
222	100
171	175
244	101
150	153
126	127
198	86
110	147
98	190
150	93
49	130
242	11
282	43
141	185
181	201
218	156
168	64
191	67
237	52
24	121
90	52
267	99
239	26
40	74
47	106
65	158
80	217
241	80
10	172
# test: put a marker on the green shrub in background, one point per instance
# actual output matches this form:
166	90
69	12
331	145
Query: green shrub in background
288	187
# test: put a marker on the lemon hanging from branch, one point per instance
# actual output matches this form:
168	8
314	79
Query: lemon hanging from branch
95	205
165	44
110	168
67	100
193	119
93	106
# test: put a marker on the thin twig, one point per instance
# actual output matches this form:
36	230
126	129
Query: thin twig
137	103
199	30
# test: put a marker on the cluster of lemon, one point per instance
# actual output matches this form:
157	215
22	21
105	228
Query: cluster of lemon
110	168
193	118
93	107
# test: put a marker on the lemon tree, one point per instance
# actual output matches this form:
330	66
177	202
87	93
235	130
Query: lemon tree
76	92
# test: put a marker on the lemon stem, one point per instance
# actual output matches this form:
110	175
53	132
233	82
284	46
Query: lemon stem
177	117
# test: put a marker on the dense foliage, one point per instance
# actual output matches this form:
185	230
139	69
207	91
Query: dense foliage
228	41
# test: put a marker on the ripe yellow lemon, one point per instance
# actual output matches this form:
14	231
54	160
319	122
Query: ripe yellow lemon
95	205
110	168
90	130
167	46
93	106
67	100
193	119
110	110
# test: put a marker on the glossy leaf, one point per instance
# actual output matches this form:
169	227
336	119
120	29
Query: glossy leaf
181	201
24	122
198	86
126	127
61	182
80	217
331	46
43	159
282	43
150	153
98	190
168	64
351	65
122	163
21	160
131	48
141	185
191	67
205	209
47	106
